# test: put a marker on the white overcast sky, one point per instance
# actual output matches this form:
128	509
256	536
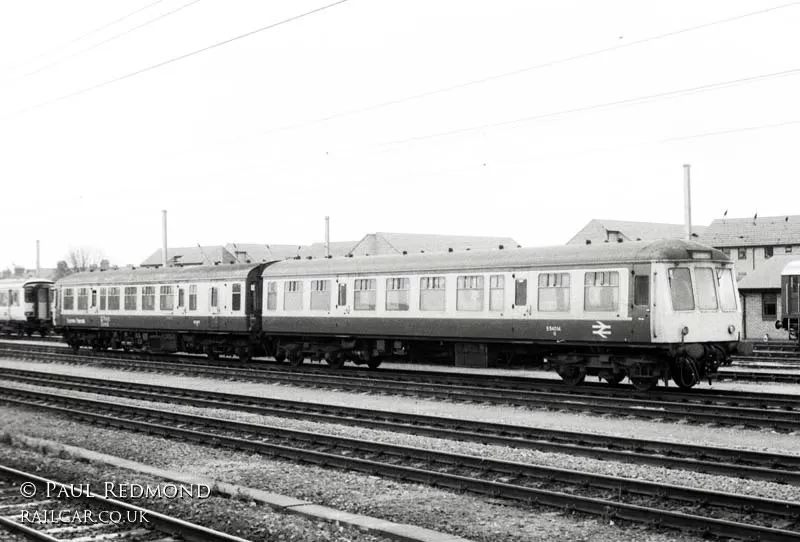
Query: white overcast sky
255	141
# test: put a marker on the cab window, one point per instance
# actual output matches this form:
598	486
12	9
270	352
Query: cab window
680	285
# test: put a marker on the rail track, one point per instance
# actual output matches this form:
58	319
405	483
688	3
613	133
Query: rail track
778	468
49	514
757	410
683	508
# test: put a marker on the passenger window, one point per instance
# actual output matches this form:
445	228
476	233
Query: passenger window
193	297
293	295
113	298
342	301
166	298
680	286
554	292
214	293
364	294
497	290
320	295
148	298
521	292
469	294
641	290
397	294
236	297
83	299
601	291
706	291
130	298
272	296
94	298
180	297
102	299
67	303
432	294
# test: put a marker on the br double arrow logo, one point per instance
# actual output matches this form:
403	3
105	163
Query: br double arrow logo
601	329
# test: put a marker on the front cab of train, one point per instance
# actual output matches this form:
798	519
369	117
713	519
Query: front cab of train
697	314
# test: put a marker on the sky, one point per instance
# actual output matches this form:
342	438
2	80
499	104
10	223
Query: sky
250	121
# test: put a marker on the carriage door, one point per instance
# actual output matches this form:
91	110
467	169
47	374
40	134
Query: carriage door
43	301
640	303
521	307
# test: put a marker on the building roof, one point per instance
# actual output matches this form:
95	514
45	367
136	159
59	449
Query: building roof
761	231
198	255
262	252
605	254
599	230
767	275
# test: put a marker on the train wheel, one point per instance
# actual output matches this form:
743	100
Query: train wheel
295	357
75	346
244	354
335	361
645	383
572	376
614	378
211	353
374	363
684	373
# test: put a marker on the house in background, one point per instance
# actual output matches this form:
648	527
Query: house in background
372	244
617	231
760	291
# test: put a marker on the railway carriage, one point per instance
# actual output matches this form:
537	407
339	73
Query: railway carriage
790	300
646	310
210	309
25	305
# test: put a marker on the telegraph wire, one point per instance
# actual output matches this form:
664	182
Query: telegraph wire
616	103
518	71
92	32
174	59
112	38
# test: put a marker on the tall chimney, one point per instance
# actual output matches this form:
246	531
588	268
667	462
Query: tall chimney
327	237
37	258
687	201
164	238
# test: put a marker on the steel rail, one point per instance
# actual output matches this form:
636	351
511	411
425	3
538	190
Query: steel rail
779	468
504	476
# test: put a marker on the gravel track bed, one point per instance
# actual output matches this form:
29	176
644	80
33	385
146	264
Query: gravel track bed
564	461
233	516
765	440
470	516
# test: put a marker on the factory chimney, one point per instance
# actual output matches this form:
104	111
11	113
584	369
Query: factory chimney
687	201
164	238
327	237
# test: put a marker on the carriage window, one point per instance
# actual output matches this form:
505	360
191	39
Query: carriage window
113	298
320	295
236	297
397	294
641	290
148	298
554	291
342	294
166	298
83	299
272	296
497	289
706	292
293	295
30	296
181	297
94	298
364	294
130	298
68	301
432	294
3	298
469	293
521	292
102	299
213	297
193	297
680	285
601	291
14	298
727	290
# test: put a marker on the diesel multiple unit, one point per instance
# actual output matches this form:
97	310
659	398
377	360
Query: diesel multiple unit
645	310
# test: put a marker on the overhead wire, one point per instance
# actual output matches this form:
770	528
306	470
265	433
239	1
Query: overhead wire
173	60
92	32
110	39
626	101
